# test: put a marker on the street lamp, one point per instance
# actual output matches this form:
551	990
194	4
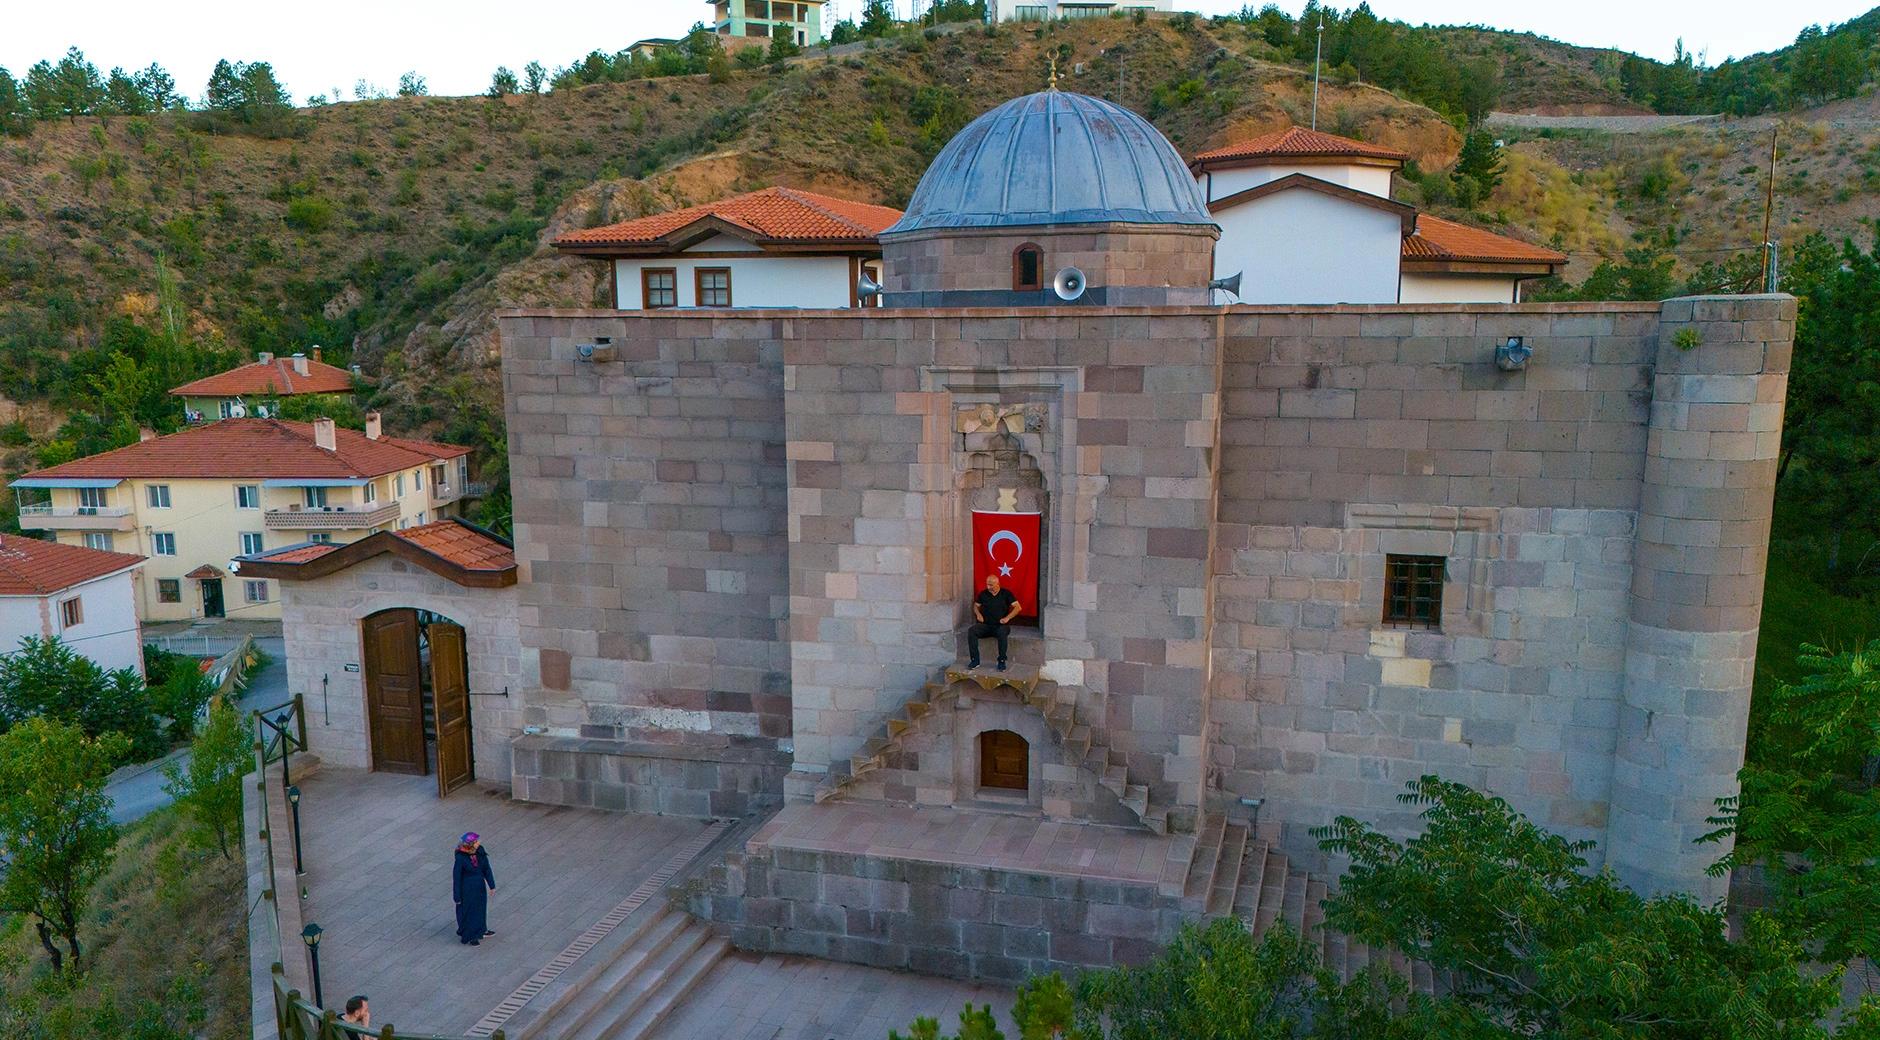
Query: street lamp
293	802
311	936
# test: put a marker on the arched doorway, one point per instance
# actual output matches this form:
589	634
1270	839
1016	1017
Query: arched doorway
418	696
1004	761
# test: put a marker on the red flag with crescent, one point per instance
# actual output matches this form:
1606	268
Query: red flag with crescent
1007	544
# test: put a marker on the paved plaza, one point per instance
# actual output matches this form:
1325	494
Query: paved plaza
775	997
378	853
378	850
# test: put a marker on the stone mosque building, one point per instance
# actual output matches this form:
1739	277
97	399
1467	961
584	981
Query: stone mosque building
1288	558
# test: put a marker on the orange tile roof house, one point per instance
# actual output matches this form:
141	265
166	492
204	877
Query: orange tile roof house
238	391
779	247
1307	217
85	597
193	500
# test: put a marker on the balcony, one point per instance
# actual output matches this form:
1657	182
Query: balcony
445	494
330	518
42	517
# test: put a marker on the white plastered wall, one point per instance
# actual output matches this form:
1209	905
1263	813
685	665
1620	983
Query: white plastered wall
1302	247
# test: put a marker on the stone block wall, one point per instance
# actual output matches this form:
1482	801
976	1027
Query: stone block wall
1123	264
671	778
1567	499
996	925
321	631
649	509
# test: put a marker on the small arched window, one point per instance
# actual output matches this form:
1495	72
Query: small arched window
1027	268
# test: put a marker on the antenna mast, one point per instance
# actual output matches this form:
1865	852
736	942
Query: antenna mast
1318	50
1769	205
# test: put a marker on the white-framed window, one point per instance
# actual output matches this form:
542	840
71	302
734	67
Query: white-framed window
255	591
417	479
314	497
99	540
248	496
157	495
163	543
372	493
94	498
419	521
463	473
71	612
169	590
320	536
398	486
251	543
226	409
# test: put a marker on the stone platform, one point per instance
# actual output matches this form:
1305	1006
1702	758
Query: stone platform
967	894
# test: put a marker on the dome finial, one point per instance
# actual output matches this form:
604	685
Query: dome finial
1053	72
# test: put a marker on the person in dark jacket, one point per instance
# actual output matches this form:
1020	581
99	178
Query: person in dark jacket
471	883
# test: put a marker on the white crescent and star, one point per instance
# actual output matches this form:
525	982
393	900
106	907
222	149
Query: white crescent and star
992	545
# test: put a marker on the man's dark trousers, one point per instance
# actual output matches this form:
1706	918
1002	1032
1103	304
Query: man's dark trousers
1003	633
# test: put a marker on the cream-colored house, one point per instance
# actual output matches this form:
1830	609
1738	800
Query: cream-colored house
192	501
247	390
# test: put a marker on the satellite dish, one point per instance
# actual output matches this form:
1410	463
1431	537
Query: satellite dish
238	410
1069	284
867	288
1229	284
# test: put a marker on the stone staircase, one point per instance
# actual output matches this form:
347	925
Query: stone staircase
1072	714
1234	873
625	996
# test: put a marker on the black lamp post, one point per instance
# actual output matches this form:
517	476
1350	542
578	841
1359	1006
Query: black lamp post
293	802
311	936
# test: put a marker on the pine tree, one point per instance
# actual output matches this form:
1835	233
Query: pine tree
1480	163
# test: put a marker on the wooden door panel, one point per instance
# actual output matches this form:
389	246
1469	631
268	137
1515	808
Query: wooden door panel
394	692
450	699
1004	760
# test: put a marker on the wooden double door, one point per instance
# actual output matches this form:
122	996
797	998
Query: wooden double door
418	696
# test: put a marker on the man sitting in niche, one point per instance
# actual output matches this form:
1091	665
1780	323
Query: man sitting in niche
993	611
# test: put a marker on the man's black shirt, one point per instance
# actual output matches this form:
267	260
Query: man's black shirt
994	606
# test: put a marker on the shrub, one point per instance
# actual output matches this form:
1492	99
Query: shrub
309	214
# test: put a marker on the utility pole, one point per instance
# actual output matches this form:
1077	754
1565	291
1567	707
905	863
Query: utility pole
1769	276
1318	51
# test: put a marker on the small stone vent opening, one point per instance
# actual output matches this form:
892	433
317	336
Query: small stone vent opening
1004	763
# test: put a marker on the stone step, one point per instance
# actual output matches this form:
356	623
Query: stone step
672	990
1272	892
1247	889
1227	874
587	997
1201	865
1293	906
1136	797
626	1000
1335	950
1312	925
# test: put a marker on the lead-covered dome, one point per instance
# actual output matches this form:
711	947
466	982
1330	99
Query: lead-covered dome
1055	158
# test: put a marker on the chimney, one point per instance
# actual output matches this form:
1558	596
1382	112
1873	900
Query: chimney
264	357
372	426
145	433
316	353
323	435
300	364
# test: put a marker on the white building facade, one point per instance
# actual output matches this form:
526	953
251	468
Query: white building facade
1041	10
84	597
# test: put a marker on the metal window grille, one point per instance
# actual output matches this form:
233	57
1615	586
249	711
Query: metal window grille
1413	591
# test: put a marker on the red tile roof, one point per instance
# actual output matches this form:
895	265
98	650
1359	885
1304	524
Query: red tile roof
1439	239
453	548
471	548
783	215
255	449
276	378
30	567
1297	142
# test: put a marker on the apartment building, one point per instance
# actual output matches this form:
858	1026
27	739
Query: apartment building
1041	10
193	500
738	21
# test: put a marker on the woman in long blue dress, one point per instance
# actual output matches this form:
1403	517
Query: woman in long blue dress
471	883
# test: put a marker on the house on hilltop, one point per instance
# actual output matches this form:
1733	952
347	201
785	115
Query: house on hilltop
240	392
779	247
85	597
192	500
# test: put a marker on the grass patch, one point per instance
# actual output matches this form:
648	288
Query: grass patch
166	949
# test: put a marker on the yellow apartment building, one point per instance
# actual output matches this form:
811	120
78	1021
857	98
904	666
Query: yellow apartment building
191	501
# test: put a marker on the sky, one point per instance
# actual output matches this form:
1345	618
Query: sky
331	45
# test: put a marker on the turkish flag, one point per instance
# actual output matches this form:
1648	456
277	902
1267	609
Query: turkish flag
1007	544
